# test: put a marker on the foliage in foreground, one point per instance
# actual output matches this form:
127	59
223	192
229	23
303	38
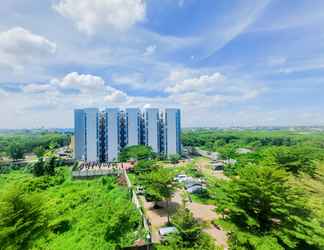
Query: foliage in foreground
21	218
95	214
263	211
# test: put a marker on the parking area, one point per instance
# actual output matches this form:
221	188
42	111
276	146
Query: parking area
158	217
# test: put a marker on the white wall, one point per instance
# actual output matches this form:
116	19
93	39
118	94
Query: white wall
151	128
133	126
112	134
91	115
172	117
79	135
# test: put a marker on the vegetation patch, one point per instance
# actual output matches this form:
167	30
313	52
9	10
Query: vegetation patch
93	214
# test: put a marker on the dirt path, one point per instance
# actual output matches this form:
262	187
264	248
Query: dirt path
158	217
205	167
219	235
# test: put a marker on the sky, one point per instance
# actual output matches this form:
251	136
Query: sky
224	63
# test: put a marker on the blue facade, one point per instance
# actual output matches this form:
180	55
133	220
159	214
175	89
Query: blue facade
79	134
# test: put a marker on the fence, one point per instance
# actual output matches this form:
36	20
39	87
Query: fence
138	206
84	174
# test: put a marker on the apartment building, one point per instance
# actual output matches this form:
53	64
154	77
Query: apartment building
86	129
99	136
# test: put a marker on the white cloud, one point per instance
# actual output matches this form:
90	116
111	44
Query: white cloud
82	82
38	88
133	80
147	106
205	83
91	91
150	50
19	47
180	74
196	90
92	15
116	97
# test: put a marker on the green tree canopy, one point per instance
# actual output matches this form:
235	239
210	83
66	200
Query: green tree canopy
260	203
189	234
145	166
15	151
187	226
136	152
18	143
39	151
294	159
38	168
21	218
46	167
159	185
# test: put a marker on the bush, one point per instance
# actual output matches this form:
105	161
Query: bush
60	226
145	166
21	218
174	158
136	152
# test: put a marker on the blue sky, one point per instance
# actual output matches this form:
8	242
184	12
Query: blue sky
224	63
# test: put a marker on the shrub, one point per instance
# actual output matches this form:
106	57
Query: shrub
21	218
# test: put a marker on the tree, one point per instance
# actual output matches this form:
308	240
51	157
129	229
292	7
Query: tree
136	152
262	203
293	159
159	185
15	151
228	151
145	166
188	228
189	234
38	168
39	151
50	165
41	167
21	218
174	158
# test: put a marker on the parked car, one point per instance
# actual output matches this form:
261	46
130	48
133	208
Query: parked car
164	231
180	177
191	182
195	189
218	166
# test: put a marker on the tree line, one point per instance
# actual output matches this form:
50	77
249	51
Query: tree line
16	145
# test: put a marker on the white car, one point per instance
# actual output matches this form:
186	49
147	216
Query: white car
180	177
164	231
